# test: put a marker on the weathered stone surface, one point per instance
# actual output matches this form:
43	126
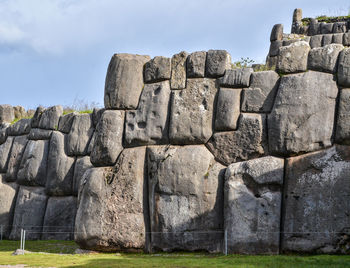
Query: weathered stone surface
92	142
149	123
15	157
7	201
327	39
297	14
316	41
185	198
339	27
275	47
60	168
21	127
50	117
178	70
344	68
217	62
261	94
96	115
337	38
325	59
19	111
248	141
293	58
157	69
108	139
236	78
29	212
81	165
39	134
228	109
5	150
196	64
66	121
316	201
289	42
3	132
326	28
253	205
303	115
59	218
36	117
6	113
124	81
346	39
271	62
277	32
80	134
314	27
342	134
32	170
104	221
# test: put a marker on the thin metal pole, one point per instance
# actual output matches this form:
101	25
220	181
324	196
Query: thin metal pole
24	239
21	238
225	242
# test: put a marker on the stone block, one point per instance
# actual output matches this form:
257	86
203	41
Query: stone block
236	78
82	164
3	132
66	121
178	70
157	69
327	39
325	59
275	46
6	113
344	68
5	150
96	115
36	117
293	58
21	127
342	135
277	32
346	39
39	134
50	117
19	111
314	27
316	41
15	157
326	28
337	38
339	27
228	109
196	64
217	62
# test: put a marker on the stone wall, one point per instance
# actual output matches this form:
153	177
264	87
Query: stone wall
186	150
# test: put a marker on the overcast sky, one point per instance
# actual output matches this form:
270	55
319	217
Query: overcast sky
57	51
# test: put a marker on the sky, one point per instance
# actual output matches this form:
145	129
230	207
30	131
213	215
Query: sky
57	51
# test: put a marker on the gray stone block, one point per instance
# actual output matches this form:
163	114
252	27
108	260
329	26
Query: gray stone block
325	59
37	116
339	27
228	109
288	42
316	41
191	116
149	123
217	62
39	134
275	46
236	78
3	132
66	121
157	69
277	32
6	113
344	68
50	117
326	28
21	127
337	38
15	157
346	39
19	111
96	115
293	58
314	27
253	193
82	164
196	64
124	81
5	150
342	135
178	70
327	39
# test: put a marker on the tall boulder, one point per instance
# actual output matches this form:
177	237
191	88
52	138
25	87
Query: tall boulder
50	117
7	114
293	58
178	70
15	157
5	150
344	68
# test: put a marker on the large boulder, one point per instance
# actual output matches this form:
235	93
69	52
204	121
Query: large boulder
247	142
80	135
316	202
303	115
344	68
108	139
111	205
5	150
6	113
50	117
29	213
157	69
33	167
277	32
325	59
3	132
293	58
149	123
191	117
21	127
59	218
7	200
60	167
228	109
66	121
236	78
124	81
253	191
259	97
178	70
39	134
217	62
37	116
185	198
316	41
15	157
196	64
82	164
342	132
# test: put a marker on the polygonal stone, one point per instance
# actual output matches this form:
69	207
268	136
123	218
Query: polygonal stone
3	132
346	39
337	38
297	14
60	169
316	41
185	198
314	27
157	69
96	115
50	117
217	62
15	157
325	59
236	78
339	27
19	111
277	32
316	202
104	221
192	112
178	70
253	191
21	127
261	94
344	68
326	28
5	149
327	39
29	213
149	124
6	113
293	58
39	134
80	134
227	109
196	64
37	116
81	165
124	81
108	139
32	170
342	135
302	116
275	46
248	141
66	121
59	218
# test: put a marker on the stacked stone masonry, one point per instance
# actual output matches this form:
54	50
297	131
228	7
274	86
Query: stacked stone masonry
187	152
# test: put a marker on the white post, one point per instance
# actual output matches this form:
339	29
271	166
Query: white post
225	237
21	238
24	239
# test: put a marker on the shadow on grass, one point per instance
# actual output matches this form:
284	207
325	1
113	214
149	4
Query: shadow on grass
48	246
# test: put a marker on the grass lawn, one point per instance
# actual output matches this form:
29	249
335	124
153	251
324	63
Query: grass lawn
60	255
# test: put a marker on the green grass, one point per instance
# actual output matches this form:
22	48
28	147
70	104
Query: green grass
81	112
61	256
